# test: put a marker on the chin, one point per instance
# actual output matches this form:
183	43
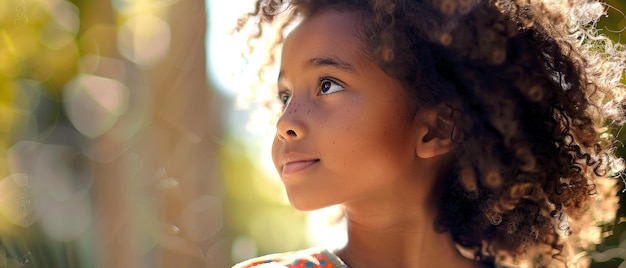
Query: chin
306	205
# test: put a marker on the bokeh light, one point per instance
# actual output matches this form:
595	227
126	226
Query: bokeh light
144	39
94	103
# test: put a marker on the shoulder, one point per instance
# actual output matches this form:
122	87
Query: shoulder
309	258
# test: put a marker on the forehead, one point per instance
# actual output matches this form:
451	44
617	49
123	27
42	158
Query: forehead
331	19
327	32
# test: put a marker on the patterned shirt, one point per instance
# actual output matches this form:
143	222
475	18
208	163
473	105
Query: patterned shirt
309	258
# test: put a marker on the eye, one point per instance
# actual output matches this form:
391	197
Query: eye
284	97
329	86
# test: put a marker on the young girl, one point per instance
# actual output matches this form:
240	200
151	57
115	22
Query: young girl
454	133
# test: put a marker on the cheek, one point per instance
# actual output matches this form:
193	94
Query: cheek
385	140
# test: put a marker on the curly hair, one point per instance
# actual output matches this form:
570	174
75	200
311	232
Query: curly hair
528	91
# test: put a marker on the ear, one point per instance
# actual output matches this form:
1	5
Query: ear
433	136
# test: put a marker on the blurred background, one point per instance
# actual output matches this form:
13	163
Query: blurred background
124	144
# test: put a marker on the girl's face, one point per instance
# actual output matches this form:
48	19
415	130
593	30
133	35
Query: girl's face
346	133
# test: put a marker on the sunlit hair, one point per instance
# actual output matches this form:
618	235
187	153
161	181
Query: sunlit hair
529	92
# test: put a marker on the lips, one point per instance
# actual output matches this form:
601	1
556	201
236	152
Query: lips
292	163
294	167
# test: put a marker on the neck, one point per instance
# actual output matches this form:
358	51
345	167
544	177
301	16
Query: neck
398	231
378	236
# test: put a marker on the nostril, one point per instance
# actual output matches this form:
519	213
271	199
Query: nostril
291	133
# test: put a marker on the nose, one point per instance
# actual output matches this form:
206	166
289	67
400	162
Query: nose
290	125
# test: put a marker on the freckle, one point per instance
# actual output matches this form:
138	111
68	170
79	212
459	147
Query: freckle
309	111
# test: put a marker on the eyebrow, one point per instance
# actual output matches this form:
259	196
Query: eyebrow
333	62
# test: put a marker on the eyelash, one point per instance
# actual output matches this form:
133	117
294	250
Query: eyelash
321	81
284	96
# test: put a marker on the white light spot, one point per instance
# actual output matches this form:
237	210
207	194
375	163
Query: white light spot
93	103
144	39
243	248
65	14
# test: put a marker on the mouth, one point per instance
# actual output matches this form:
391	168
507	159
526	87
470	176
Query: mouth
297	166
